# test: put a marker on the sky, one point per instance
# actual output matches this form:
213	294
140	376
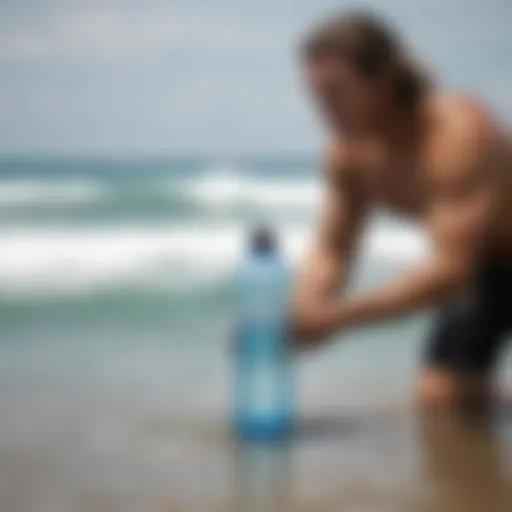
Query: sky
152	77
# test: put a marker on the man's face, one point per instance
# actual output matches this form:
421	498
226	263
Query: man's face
346	100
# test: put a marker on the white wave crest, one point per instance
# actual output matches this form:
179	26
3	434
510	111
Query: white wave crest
22	193
63	261
225	189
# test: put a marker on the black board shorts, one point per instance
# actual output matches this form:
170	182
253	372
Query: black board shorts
473	327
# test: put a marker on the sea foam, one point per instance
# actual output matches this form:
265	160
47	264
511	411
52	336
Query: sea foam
49	261
29	192
227	189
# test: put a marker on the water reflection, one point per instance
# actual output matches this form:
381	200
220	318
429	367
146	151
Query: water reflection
465	463
261	476
396	463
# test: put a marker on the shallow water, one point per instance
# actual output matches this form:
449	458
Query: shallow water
115	373
131	426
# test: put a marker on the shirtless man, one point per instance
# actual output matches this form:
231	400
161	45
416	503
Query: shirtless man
397	142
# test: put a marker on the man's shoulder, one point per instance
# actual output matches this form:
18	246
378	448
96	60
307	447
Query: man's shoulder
463	130
341	164
335	151
458	114
340	156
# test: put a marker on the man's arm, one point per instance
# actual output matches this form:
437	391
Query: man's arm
326	267
461	208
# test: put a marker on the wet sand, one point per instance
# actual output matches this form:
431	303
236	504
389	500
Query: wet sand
361	461
143	427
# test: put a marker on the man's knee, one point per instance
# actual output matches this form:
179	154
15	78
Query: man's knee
446	389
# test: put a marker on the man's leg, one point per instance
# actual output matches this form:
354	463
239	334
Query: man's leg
465	344
446	389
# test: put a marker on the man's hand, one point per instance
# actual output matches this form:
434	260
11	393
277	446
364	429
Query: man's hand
312	322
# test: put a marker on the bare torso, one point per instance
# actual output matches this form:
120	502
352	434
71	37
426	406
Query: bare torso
448	165
399	178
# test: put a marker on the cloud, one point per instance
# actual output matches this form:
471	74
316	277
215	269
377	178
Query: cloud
196	75
105	33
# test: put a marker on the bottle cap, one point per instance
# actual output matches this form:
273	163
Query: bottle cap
263	240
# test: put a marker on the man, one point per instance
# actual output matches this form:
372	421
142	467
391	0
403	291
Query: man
397	142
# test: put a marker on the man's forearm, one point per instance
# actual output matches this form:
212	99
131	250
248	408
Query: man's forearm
321	278
418	288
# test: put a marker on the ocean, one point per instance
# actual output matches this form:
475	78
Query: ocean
89	242
115	314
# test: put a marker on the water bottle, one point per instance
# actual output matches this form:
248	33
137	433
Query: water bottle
263	387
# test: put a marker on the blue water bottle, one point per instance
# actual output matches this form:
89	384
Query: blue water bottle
263	381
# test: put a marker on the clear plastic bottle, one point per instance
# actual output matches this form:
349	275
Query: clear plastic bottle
263	380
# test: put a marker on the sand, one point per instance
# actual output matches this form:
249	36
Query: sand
353	461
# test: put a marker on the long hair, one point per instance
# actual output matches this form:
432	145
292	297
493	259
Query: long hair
373	48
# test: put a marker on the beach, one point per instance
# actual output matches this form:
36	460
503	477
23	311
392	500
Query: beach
115	371
151	434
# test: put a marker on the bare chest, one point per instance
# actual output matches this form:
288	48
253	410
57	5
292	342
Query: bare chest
397	184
